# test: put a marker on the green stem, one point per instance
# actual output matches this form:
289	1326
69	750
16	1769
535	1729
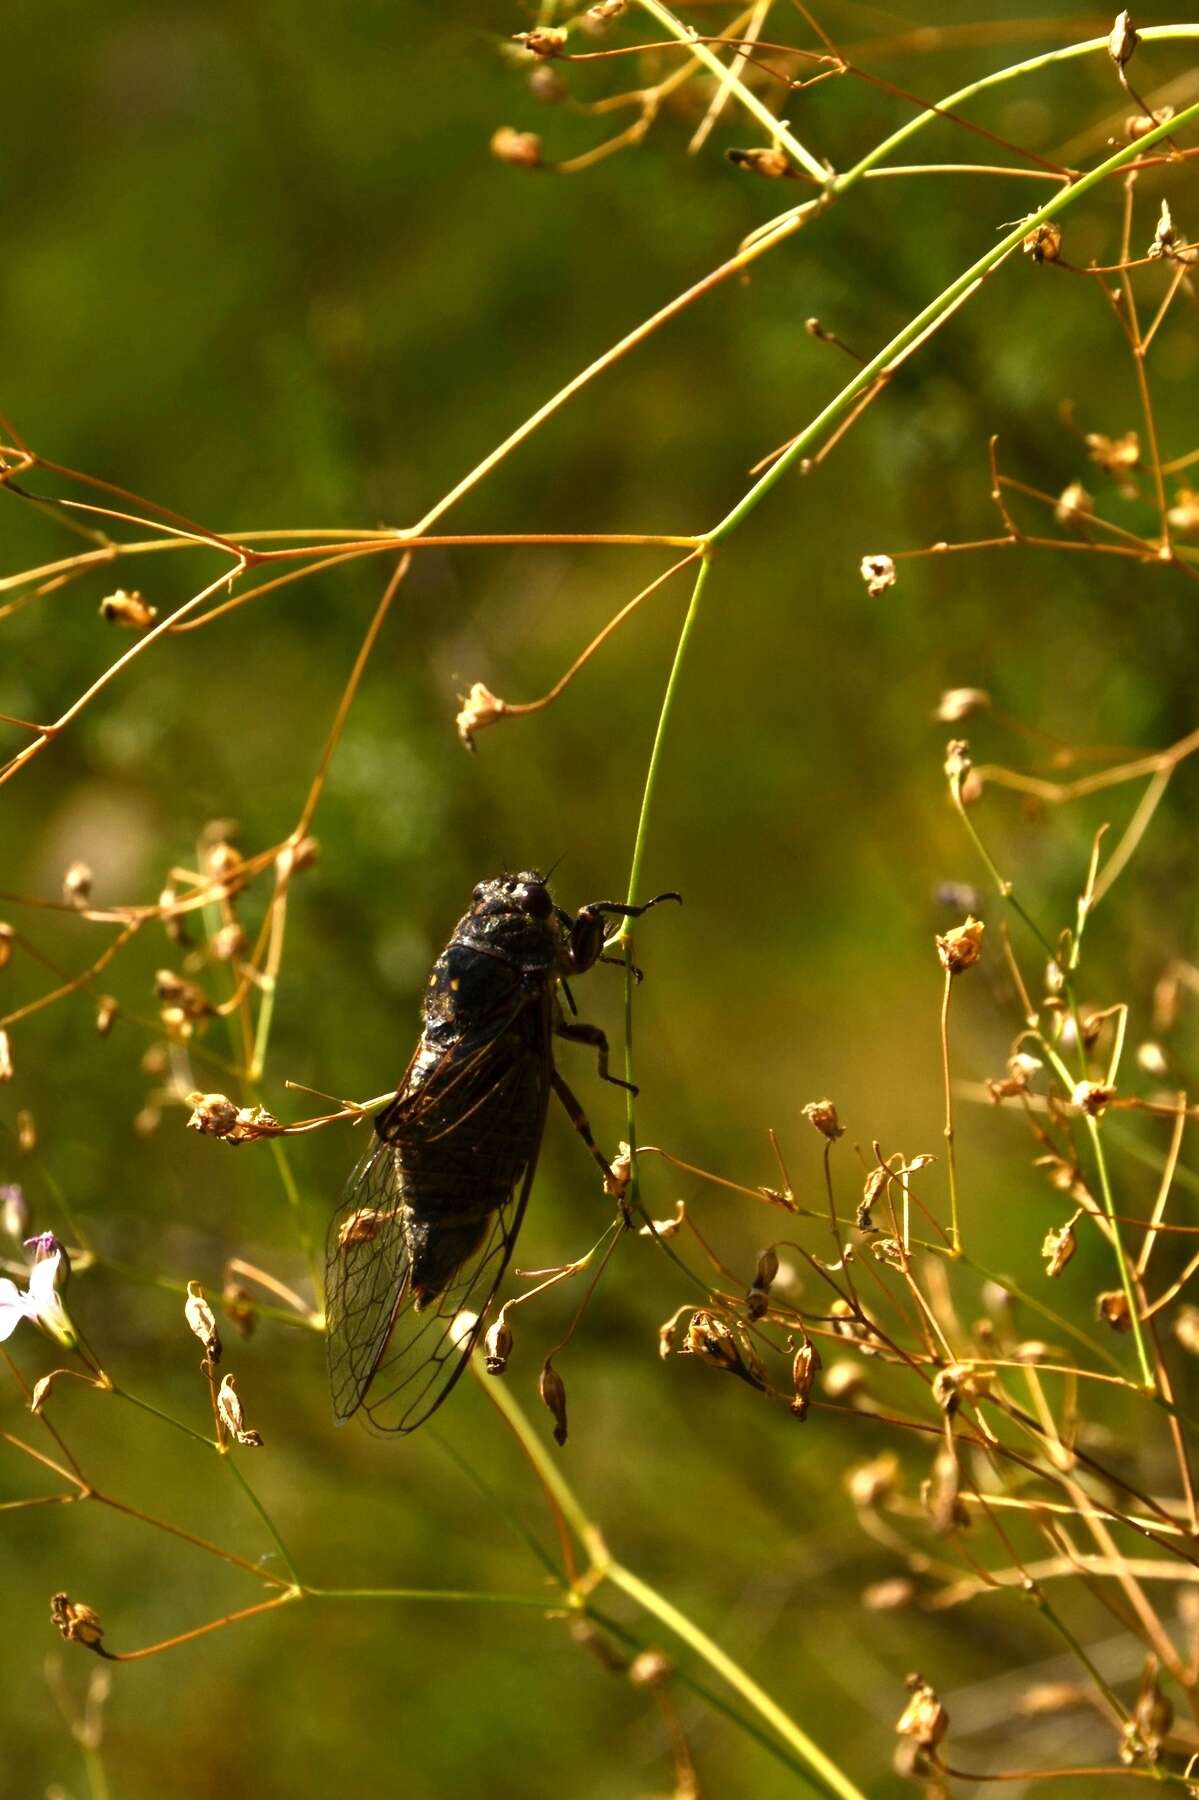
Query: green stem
500	1395
624	936
825	1772
264	1515
749	100
935	311
541	1603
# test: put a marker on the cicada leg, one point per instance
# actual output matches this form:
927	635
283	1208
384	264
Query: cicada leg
578	1032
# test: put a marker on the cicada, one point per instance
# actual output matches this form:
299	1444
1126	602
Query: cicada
425	1229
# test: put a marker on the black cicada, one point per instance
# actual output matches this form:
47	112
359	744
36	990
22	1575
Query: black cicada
430	1215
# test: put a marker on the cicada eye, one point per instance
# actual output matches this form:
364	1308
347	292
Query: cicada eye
537	900
478	891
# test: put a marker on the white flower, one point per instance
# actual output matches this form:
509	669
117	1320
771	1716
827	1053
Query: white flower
39	1302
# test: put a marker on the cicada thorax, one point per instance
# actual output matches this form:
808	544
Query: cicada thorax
473	1102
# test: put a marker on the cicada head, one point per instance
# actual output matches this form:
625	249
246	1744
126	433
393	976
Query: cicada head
516	916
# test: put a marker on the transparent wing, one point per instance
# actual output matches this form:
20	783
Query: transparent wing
391	1359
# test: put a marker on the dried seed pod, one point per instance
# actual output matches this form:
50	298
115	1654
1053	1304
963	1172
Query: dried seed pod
181	997
213	1115
957	761
26	1132
6	1065
773	163
552	1390
497	1345
239	1307
665	1228
1073	503
651	1668
822	1115
78	1623
293	859
201	1321
804	1368
106	1013
758	1298
893	1594
1185	1325
878	572
620	1171
870	1484
844	1381
923	1719
872	1192
961	948
717	1344
227	943
1183	515
6	942
229	1407
1058	1248
1165	237
545	84
1092	1097
129	610
940	1494
1123	40
605	12
77	884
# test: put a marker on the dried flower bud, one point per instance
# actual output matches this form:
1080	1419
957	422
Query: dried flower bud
240	1309
545	84
129	610
822	1114
773	163
961	948
213	1115
1044	242
666	1228
477	709
605	12
201	1322
294	858
957	704
78	1623
182	997
940	1494
1092	1097
667	1334
172	922
923	1719
6	942
844	1381
6	1064
872	1192
892	1594
222	860
14	1210
616	1180
1138	124
26	1132
552	1390
1117	457
1164	235
1123	40
1073	503
229	1408
497	1345
1058	1248
77	884
871	1484
40	1394
521	150
878	572
1114	1310
1185	1324
543	40
652	1669
715	1342
106	1013
1184	514
957	761
227	943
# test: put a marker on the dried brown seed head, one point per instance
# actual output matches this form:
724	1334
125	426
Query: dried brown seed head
1123	40
957	704
1164	235
961	948
77	884
129	610
78	1623
1114	1310
182	997
804	1367
1117	457
923	1719
1092	1097
616	1181
201	1321
1059	1246
822	1115
213	1115
1044	242
715	1342
773	163
872	1192
878	572
552	1390
543	40
1184	514
229	1407
941	1494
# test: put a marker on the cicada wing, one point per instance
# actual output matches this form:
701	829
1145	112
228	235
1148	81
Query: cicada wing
409	1357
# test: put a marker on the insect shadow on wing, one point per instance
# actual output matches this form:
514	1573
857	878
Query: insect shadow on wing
426	1227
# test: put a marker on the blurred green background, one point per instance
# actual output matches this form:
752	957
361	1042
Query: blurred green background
260	266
